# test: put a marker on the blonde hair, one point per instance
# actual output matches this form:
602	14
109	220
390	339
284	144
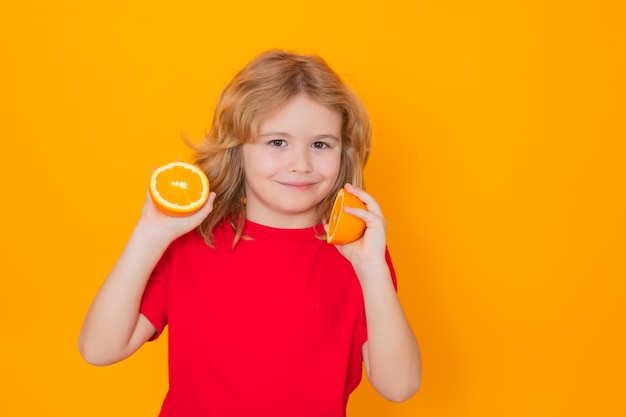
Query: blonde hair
264	85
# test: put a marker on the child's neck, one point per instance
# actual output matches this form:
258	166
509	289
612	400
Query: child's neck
287	221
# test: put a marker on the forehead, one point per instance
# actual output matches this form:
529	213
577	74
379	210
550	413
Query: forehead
303	115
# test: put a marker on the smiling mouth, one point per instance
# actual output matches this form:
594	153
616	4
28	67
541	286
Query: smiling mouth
298	186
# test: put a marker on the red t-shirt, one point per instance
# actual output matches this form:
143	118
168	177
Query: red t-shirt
273	327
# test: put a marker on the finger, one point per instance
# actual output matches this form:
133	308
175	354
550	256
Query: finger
370	218
368	200
208	205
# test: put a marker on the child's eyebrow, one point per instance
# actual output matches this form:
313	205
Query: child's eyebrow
327	136
282	134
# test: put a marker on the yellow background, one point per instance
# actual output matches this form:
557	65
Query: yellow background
498	158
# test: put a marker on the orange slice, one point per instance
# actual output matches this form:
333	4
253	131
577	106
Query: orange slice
343	227
179	188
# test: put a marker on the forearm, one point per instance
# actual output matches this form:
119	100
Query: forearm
108	329
393	361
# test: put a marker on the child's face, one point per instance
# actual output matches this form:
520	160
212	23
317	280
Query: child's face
293	164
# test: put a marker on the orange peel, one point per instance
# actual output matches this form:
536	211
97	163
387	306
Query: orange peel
343	227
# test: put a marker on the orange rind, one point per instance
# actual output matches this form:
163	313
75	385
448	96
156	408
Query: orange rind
343	227
179	189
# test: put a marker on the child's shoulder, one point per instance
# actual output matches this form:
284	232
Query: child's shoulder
194	239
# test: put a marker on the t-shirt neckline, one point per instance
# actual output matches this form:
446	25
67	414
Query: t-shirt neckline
253	230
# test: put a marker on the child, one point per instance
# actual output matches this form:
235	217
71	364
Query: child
265	318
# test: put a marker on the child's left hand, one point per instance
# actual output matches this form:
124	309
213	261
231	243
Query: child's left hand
371	246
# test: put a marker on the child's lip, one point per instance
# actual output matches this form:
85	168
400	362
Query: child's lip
297	184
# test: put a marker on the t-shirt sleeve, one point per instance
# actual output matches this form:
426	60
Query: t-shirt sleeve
391	270
395	285
154	300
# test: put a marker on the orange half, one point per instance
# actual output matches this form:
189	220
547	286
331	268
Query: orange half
343	227
179	188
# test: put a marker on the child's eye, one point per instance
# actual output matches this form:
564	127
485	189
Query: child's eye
320	145
277	142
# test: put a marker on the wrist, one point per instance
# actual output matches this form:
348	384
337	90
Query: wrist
371	268
150	234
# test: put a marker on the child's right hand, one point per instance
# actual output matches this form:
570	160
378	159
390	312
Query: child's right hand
166	227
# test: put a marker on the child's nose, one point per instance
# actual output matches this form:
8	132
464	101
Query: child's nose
300	161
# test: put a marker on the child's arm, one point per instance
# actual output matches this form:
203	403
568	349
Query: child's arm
113	328
391	355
